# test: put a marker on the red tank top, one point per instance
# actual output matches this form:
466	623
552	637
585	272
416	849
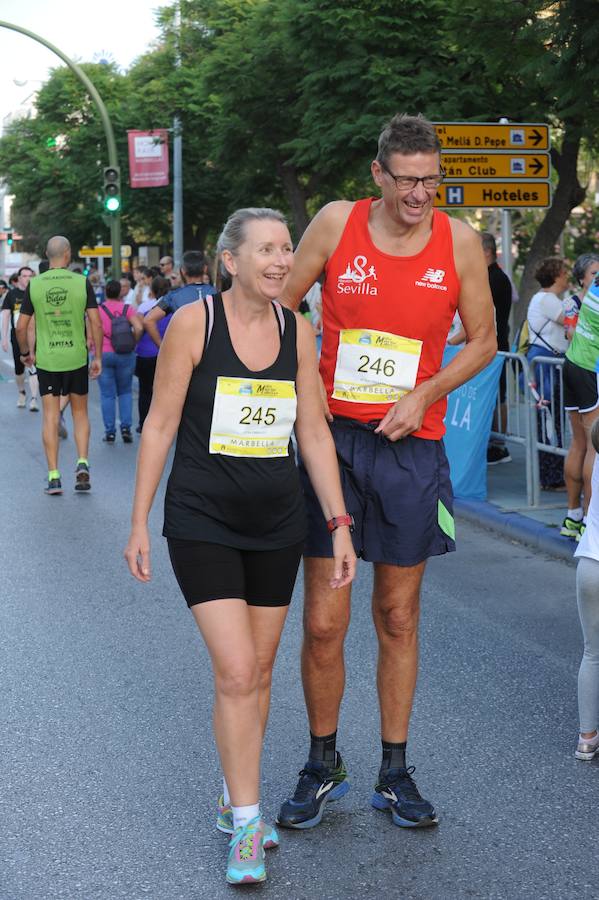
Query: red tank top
409	296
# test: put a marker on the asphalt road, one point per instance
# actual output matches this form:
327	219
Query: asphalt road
108	770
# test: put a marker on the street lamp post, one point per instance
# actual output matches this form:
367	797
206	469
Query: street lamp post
115	218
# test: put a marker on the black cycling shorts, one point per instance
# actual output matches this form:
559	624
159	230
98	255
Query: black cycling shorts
208	571
581	388
62	383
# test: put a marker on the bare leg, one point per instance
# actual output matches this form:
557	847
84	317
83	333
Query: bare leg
395	610
267	624
226	629
573	466
80	424
51	413
326	619
589	459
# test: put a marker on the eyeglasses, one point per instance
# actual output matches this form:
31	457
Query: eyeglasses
409	182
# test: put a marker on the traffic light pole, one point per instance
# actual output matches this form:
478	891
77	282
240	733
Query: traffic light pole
115	218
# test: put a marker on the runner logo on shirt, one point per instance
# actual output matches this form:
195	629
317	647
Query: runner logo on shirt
357	278
432	278
56	296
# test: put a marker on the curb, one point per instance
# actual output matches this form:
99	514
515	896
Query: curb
517	527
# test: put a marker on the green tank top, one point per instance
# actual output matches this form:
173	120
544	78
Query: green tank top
59	300
584	346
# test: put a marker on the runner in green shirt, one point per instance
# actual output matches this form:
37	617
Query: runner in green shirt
60	300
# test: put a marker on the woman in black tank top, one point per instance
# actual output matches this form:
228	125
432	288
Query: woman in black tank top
236	373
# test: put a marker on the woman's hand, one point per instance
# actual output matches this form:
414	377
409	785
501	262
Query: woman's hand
344	558
137	553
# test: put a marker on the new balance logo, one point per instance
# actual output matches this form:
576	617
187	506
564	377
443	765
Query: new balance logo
435	276
432	278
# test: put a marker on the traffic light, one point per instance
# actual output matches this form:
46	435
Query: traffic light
112	189
9	239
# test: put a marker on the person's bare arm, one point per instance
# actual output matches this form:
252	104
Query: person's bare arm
5	328
95	324
150	323
476	310
318	453
316	246
181	350
21	335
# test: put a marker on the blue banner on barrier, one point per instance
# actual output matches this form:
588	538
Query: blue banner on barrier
468	422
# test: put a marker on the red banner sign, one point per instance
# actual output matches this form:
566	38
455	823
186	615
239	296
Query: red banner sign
148	158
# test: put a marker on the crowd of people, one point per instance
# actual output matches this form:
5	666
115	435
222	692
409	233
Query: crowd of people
230	373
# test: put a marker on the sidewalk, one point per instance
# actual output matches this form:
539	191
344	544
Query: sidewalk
506	512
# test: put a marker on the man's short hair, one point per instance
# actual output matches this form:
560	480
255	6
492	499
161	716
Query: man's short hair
113	289
25	269
193	263
407	134
549	270
489	243
13	278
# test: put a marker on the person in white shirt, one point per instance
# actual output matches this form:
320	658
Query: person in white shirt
587	596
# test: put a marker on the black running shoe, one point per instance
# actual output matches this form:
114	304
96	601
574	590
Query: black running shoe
397	792
54	486
317	785
82	482
126	435
109	437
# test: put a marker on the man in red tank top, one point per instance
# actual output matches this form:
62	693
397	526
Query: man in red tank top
395	270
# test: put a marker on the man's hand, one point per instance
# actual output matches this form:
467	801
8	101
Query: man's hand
95	368
28	360
404	417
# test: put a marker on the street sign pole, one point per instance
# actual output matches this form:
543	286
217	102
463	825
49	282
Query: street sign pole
506	232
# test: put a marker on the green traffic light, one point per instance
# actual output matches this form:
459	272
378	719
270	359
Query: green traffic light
112	204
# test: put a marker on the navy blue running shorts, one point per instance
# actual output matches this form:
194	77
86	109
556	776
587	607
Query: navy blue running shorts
398	492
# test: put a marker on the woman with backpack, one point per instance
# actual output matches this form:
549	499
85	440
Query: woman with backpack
121	333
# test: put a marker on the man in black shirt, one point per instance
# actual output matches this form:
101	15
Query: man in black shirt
501	291
11	306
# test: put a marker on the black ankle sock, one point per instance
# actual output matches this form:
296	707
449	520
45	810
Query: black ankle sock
322	749
394	755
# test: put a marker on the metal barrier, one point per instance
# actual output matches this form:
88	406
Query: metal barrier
533	414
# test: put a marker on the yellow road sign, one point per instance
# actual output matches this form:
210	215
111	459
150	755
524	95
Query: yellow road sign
492	136
503	194
495	165
103	250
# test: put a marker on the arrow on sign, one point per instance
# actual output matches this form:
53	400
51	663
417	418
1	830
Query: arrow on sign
536	137
536	165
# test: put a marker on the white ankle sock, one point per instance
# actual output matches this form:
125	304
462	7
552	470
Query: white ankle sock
244	814
575	514
226	795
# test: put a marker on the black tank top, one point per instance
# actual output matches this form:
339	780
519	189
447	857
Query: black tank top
247	503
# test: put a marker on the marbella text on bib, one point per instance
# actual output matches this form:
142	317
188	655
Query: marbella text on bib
252	418
375	366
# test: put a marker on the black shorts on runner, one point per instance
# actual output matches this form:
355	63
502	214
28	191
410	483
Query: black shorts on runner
16	354
62	383
398	492
208	571
581	388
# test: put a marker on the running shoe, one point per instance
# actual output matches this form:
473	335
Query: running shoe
571	527
397	792
318	784
126	435
34	405
54	486
246	855
109	437
224	823
496	454
22	400
82	482
587	747
581	531
62	428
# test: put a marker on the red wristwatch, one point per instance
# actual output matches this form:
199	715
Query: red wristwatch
337	521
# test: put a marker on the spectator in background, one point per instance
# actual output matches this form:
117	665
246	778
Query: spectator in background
146	351
581	391
501	292
546	329
98	288
142	288
127	293
11	306
192	272
167	269
116	379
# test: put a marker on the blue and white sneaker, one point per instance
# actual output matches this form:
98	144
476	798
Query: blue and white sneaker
318	785
246	855
396	791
